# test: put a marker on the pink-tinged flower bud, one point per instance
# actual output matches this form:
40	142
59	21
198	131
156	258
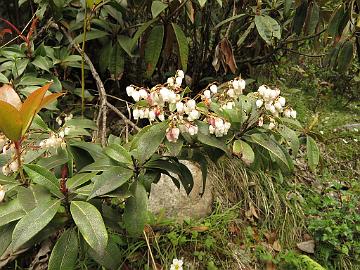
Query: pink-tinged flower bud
193	130
172	134
231	93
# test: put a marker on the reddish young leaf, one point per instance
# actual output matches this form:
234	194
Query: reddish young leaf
31	106
10	121
49	99
8	95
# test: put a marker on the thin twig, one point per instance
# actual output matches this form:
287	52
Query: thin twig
123	117
151	255
304	54
99	84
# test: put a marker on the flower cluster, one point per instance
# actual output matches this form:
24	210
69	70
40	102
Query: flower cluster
11	167
273	102
55	140
167	102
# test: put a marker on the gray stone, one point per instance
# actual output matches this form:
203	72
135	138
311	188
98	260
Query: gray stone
175	203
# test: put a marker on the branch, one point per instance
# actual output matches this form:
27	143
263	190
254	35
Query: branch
99	84
123	117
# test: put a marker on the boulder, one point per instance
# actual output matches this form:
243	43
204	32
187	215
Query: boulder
175	203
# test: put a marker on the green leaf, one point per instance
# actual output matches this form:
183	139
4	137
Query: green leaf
105	56
65	252
291	138
313	153
110	258
212	141
135	213
91	225
54	161
138	34
110	180
333	26
32	197
79	179
245	34
117	61
10	211
141	149
81	123
90	35
5	180
5	237
345	56
157	7
271	145
34	222
3	78
287	7
43	63
313	17
267	27
44	177
118	153
174	147
153	48
300	16
244	151
229	20
182	45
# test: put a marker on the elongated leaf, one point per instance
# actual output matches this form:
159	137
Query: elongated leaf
65	252
271	145
3	78
9	95
182	45
79	179
267	27
32	197
110	259
138	34
91	225
229	20
291	138
5	237
141	148
44	177
244	151
300	16
117	61
157	7
48	99
90	35
313	17
118	153
5	180
153	49
34	222
313	153
110	180
10	121
212	141
333	27
287	7
245	34
43	63
135	214
31	105
54	161
202	3
10	211
345	56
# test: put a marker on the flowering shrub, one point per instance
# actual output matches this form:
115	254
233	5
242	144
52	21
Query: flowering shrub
69	185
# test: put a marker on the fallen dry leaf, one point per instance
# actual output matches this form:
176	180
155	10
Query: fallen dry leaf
307	246
276	246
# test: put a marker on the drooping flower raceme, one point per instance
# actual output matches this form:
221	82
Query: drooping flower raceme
168	102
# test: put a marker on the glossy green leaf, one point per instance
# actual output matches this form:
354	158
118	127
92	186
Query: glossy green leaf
291	138
3	78
182	45
138	34
117	61
333	26
118	153
43	63
287	7
312	18
79	179
157	7
110	258
90	35
32	196
141	148
153	49
5	237
202	3
33	222
244	151
44	177
212	141
228	20
110	180
5	180
135	214
10	211
267	27
312	152
91	225
65	252
300	16
54	161
271	145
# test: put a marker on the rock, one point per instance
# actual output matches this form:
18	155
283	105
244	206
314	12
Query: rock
307	246
165	196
